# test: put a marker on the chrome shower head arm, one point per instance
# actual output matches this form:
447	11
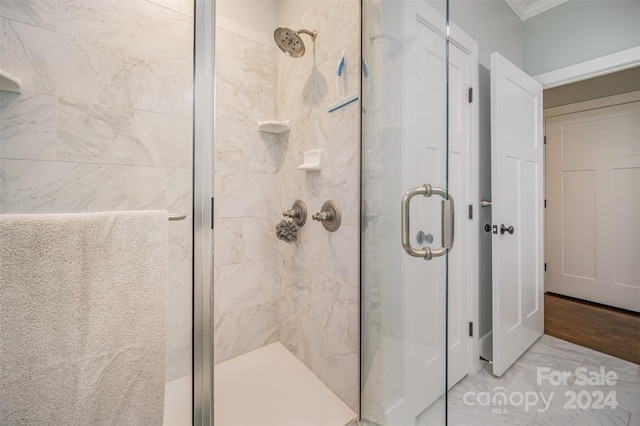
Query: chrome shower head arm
313	33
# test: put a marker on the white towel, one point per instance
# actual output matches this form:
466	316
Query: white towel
82	318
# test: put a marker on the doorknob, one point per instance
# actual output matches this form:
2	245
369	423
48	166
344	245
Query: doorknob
447	222
487	228
504	229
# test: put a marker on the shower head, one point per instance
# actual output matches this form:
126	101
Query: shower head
289	41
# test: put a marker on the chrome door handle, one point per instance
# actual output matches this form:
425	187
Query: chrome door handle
447	222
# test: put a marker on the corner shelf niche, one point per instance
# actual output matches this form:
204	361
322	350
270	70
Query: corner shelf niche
273	126
10	83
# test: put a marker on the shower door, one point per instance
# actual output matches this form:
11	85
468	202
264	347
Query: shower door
407	216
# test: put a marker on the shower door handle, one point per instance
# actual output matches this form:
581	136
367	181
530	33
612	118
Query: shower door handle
447	222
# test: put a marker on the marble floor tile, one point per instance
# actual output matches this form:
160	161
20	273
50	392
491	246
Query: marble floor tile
573	401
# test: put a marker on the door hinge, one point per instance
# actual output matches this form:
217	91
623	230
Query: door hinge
470	329
470	94
212	210
470	211
545	266
545	204
545	140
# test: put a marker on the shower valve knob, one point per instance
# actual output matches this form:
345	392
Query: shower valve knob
330	216
298	212
323	217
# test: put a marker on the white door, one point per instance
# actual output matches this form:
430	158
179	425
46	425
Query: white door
517	215
461	277
593	204
421	354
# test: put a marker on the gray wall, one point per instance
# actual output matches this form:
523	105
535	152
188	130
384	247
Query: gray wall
607	85
578	31
493	25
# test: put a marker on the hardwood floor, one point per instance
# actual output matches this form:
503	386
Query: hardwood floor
613	331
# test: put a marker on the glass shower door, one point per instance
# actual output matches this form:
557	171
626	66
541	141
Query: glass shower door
407	212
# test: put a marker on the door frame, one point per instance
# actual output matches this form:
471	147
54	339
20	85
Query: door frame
596	67
469	46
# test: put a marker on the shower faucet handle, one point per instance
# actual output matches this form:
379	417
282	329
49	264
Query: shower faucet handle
330	216
298	212
322	217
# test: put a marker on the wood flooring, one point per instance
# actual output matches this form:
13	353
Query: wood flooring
613	331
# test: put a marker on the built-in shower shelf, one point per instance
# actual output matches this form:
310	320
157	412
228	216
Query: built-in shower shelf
273	126
9	82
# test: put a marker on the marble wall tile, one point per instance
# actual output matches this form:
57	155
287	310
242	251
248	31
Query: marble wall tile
136	25
178	362
4	43
259	324
240	194
169	4
145	83
44	186
89	133
244	58
187	7
27	126
4	186
288	327
339	184
239	240
130	188
178	191
319	275
162	33
244	104
41	13
313	348
166	139
179	291
242	330
329	305
343	371
104	21
247	284
107	94
229	53
41	58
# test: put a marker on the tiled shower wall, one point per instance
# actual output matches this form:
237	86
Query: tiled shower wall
303	294
103	122
319	274
246	163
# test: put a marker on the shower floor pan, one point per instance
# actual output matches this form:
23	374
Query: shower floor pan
271	387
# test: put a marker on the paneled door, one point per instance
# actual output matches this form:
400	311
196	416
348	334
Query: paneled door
517	212
593	201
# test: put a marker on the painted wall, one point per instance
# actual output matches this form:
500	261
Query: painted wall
577	31
491	23
607	85
104	122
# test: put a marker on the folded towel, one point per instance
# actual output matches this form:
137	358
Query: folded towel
83	318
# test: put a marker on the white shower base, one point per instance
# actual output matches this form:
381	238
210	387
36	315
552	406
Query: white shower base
270	386
177	402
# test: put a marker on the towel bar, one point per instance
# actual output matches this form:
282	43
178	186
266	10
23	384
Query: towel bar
177	216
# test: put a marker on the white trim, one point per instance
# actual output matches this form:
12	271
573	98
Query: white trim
468	45
526	11
607	64
608	101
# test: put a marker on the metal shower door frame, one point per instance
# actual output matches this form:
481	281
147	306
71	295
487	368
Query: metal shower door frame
204	102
